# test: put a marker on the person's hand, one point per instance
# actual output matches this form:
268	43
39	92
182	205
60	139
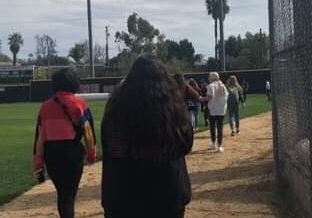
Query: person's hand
91	154
38	168
38	162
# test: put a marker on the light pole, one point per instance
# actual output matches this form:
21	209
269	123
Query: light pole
90	39
106	47
222	49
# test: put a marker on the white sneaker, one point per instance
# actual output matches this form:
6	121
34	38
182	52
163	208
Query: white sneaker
221	149
213	146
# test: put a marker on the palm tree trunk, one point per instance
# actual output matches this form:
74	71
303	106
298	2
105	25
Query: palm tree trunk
216	42
14	59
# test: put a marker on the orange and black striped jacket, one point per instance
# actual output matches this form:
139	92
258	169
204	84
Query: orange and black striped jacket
67	118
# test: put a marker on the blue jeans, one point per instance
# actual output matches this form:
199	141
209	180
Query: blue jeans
193	118
234	117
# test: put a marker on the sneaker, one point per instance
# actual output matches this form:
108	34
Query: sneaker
233	133
237	131
221	149
213	146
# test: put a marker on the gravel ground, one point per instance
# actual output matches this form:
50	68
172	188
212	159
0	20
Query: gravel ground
236	183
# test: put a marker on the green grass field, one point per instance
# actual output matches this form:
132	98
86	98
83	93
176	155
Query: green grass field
17	124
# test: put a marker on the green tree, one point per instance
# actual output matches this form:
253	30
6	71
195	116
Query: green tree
140	35
250	52
186	51
78	52
256	49
211	64
59	61
98	53
161	48
233	46
173	49
213	9
45	48
4	58
15	43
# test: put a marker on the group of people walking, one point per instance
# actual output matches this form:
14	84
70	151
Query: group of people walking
146	132
215	98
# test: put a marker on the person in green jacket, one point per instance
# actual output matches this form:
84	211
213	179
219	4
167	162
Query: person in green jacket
235	97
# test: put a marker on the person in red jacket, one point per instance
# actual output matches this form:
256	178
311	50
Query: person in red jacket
62	121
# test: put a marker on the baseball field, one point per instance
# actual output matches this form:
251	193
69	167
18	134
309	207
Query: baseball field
17	123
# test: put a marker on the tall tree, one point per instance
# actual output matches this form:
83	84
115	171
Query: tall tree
5	58
173	49
161	48
186	51
45	48
78	52
213	9
233	46
211	64
140	35
250	52
98	53
15	43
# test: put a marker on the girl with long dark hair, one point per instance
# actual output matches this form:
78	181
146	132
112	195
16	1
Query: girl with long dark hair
145	137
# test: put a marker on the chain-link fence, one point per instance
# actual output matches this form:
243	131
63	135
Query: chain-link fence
291	34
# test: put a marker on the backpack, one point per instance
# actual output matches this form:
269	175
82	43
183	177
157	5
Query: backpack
233	97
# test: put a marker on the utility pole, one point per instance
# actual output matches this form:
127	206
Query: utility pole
107	55
222	49
261	48
90	39
48	51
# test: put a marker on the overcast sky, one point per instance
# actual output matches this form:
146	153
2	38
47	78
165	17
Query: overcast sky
66	20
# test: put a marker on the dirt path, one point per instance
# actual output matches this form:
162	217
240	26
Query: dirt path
237	183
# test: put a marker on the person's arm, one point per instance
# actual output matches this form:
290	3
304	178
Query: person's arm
192	93
89	136
186	138
209	93
247	86
240	95
38	161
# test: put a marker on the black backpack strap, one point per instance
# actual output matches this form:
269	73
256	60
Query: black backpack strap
65	110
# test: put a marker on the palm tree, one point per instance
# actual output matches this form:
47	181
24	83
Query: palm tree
213	9
15	43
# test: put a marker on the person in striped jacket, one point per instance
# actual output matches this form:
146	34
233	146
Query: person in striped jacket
62	121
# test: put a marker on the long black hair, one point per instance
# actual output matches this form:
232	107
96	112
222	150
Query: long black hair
147	110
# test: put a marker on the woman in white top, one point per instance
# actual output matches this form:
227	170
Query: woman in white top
217	104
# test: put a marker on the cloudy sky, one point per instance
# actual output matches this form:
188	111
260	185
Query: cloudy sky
66	20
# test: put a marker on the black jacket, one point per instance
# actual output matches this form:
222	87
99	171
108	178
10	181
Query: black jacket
138	186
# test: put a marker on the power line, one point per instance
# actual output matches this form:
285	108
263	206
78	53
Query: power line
43	21
247	6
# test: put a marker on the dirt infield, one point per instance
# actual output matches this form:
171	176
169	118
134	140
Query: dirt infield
236	183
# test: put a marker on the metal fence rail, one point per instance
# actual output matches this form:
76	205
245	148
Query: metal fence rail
291	36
